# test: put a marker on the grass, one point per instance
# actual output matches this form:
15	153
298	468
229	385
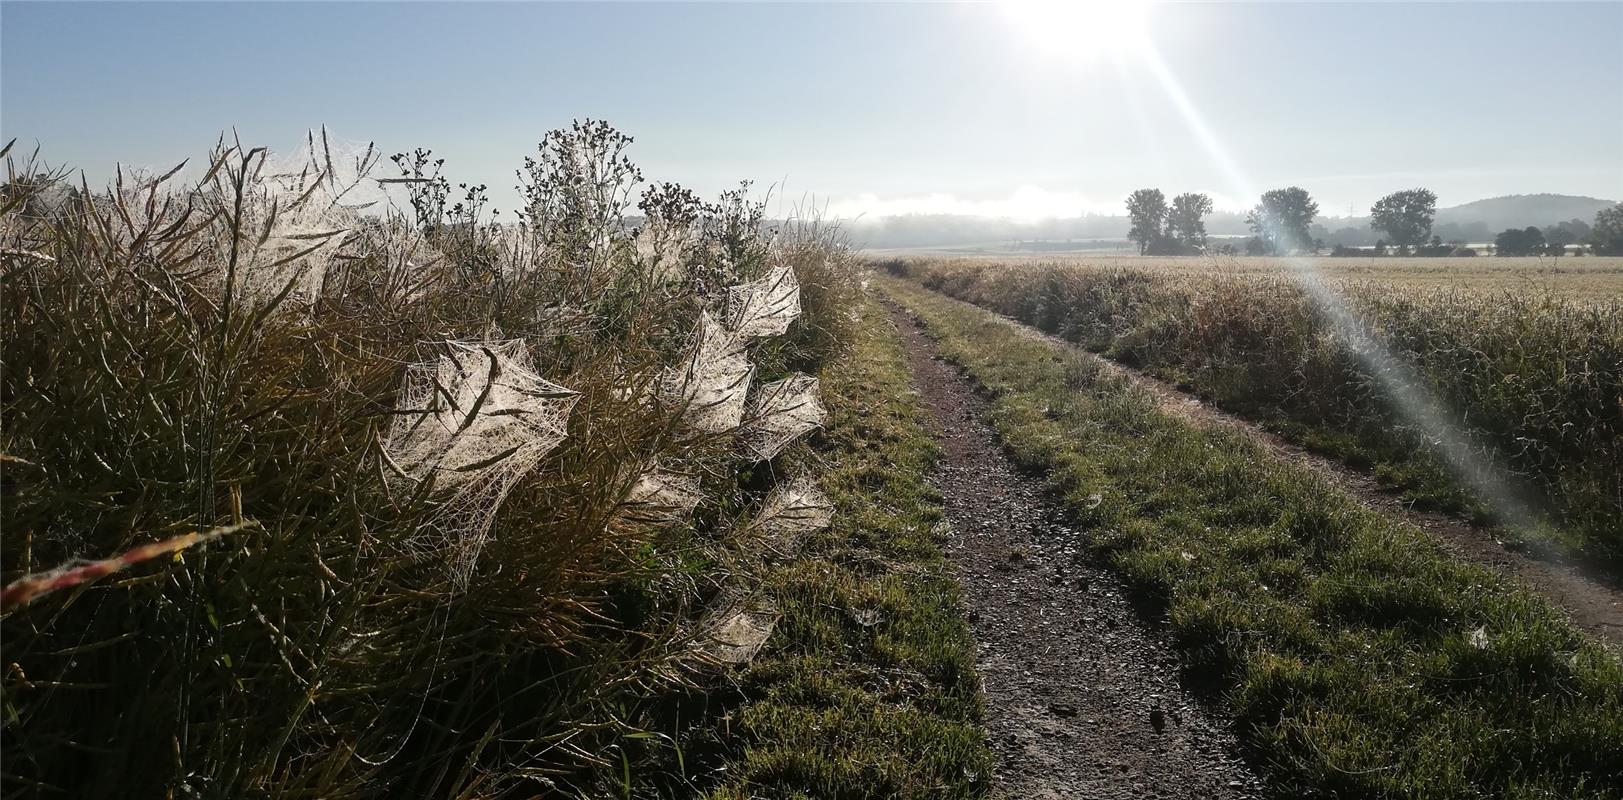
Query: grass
226	353
1529	380
1358	657
868	688
1587	278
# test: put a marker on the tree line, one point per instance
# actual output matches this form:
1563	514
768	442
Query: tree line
1282	222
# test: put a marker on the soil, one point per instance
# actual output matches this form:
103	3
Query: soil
1593	601
1083	690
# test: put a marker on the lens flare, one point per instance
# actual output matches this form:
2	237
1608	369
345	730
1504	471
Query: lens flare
1471	461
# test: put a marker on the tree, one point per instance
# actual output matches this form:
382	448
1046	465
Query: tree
1606	235
1405	217
1147	213
1281	220
1187	220
1527	241
1569	232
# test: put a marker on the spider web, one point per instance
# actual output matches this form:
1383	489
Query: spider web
712	385
781	412
764	307
474	420
661	498
791	512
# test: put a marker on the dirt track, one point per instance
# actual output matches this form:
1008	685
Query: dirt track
1593	601
1082	692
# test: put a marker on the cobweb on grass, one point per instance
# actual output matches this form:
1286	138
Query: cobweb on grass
474	420
711	386
791	512
300	213
735	627
764	307
781	412
660	497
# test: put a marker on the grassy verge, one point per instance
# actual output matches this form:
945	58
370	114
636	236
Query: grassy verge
867	688
1529	381
1359	658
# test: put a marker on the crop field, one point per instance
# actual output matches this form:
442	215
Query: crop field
1593	278
318	484
1473	398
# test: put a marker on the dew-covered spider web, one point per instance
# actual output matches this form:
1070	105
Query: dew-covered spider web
711	386
781	412
735	627
660	497
792	511
475	419
764	307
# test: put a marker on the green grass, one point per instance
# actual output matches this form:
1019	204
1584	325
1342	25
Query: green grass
1360	659
834	708
1529	379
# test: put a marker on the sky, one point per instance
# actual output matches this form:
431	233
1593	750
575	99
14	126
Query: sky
1026	110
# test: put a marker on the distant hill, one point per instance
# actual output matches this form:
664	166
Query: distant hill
1522	210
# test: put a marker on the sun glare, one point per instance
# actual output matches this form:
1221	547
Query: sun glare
1081	29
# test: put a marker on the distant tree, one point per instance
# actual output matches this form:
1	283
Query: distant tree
1187	221
1318	244
1380	247
1607	235
1147	215
1527	241
1281	220
1570	232
1405	217
1258	246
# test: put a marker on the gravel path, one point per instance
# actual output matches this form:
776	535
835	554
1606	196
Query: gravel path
1083	698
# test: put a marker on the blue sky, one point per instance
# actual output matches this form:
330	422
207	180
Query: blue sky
870	108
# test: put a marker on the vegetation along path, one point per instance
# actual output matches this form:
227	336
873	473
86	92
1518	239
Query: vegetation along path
1593	600
1354	655
1082	693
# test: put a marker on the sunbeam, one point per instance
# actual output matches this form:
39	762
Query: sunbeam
1472	462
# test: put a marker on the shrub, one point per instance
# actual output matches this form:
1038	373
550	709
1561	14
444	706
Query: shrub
232	351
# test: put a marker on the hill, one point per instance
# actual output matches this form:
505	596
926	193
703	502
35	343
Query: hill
1522	210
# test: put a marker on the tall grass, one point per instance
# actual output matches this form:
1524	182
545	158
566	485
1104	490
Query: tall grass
1534	380
182	356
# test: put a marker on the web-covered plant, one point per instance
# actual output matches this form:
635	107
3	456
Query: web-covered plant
422	556
713	381
780	412
790	512
473	421
764	307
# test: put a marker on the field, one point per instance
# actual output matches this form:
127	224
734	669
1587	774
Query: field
1472	398
1592	278
310	498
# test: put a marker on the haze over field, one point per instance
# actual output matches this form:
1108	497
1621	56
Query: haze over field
1021	111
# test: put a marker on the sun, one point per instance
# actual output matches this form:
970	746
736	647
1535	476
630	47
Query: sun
1081	30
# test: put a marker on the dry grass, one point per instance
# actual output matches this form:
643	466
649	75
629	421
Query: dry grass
1597	278
177	358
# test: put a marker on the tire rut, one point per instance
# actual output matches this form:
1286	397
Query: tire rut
1083	695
